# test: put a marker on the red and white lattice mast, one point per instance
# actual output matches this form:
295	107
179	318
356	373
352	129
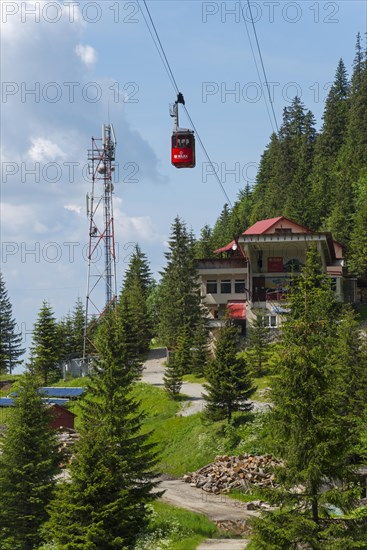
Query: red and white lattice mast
101	249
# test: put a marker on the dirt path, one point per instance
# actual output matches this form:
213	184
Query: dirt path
153	374
178	493
215	507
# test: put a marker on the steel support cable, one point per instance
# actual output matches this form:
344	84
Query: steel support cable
257	67
261	61
163	56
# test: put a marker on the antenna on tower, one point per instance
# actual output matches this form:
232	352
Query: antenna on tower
101	248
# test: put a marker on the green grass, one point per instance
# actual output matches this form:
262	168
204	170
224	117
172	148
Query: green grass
12	377
194	378
245	497
176	529
72	383
188	443
261	384
5	413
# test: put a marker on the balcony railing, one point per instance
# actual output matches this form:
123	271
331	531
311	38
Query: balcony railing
221	263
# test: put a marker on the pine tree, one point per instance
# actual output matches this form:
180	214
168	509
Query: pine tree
66	337
10	339
357	261
204	247
45	348
28	465
78	323
258	349
105	503
172	377
221	234
240	214
328	145
138	269
229	384
135	293
200	349
317	399
180	304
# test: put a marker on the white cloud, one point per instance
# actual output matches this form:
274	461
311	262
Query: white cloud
73	208
44	149
87	54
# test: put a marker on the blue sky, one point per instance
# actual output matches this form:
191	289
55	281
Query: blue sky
91	62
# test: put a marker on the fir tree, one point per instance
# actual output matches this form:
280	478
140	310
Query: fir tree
328	145
135	294
317	398
28	465
10	339
78	324
200	349
105	503
180	304
138	269
45	348
229	384
221	234
258	349
204	247
239	218
357	261
172	376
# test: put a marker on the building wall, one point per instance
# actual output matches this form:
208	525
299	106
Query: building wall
61	417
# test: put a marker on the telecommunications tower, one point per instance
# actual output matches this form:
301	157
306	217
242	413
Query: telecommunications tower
101	249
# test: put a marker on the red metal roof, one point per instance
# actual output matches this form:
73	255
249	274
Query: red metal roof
226	248
260	227
264	225
237	310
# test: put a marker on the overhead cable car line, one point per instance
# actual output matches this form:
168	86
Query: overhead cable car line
257	67
162	55
261	60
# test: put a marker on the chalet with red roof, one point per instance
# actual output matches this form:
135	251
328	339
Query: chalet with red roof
250	276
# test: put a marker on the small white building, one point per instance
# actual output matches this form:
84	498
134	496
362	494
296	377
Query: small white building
251	275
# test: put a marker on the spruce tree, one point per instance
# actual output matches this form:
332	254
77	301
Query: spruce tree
204	246
317	399
78	323
10	339
229	384
135	293
258	348
28	465
328	145
45	347
112	478
172	376
200	349
180	303
221	234
357	260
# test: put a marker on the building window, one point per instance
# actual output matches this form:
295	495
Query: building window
211	287
239	286
225	287
270	321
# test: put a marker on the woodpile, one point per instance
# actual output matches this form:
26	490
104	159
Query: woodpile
241	472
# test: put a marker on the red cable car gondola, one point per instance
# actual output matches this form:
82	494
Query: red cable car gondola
183	140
